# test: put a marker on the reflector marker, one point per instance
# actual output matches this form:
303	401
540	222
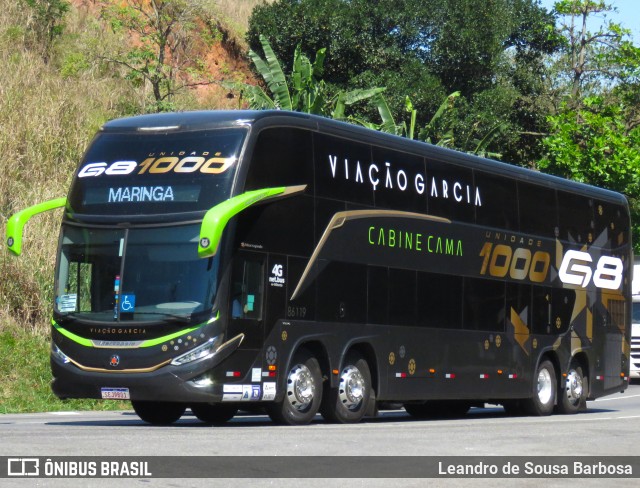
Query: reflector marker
401	375
450	376
484	376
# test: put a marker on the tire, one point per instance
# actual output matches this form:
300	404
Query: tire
158	413
347	404
544	391
438	409
214	414
572	397
303	392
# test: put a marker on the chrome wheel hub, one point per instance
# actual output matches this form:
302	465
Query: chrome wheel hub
573	387
545	387
300	387
352	387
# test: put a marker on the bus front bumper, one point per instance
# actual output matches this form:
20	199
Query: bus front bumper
197	381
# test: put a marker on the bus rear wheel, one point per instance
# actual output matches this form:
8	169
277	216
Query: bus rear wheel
158	413
303	392
573	397
348	402
544	390
214	414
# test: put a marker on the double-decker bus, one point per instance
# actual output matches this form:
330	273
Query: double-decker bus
238	260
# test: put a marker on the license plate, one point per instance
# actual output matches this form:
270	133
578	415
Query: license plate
115	393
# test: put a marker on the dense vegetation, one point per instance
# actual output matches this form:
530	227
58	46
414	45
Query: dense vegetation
505	78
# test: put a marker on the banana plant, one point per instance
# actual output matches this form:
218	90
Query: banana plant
447	137
304	90
273	76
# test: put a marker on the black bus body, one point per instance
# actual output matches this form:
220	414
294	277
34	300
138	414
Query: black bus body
351	268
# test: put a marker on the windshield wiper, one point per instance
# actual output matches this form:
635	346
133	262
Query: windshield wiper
169	317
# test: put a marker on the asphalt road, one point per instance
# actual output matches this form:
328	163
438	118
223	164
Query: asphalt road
610	427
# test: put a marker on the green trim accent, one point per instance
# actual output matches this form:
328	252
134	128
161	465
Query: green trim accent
151	342
160	340
217	218
70	335
17	221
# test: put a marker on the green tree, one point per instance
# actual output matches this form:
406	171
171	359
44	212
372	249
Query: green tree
591	58
46	23
304	90
594	134
367	44
492	52
165	48
593	145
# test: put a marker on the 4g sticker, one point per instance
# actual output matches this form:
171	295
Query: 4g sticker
167	164
277	276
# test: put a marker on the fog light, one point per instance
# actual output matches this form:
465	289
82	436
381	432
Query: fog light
202	381
57	352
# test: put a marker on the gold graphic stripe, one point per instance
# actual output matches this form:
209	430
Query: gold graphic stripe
339	219
122	371
520	330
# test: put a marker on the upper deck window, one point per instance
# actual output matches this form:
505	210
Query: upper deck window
153	173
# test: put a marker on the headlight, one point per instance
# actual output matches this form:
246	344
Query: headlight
207	349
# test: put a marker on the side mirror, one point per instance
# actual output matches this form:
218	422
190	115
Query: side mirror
217	218
16	222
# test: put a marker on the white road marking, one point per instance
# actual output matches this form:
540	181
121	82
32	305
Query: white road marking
624	397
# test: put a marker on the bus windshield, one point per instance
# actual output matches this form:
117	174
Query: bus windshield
150	274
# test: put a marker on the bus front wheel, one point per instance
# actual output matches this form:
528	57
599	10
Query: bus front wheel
213	414
158	413
348	402
303	392
544	390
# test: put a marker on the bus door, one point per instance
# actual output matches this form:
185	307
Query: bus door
247	298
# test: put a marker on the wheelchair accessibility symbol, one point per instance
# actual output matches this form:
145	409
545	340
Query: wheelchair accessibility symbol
127	303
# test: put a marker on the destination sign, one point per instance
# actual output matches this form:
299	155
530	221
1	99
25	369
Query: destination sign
142	194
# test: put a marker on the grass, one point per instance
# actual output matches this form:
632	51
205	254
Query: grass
25	376
237	12
46	121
